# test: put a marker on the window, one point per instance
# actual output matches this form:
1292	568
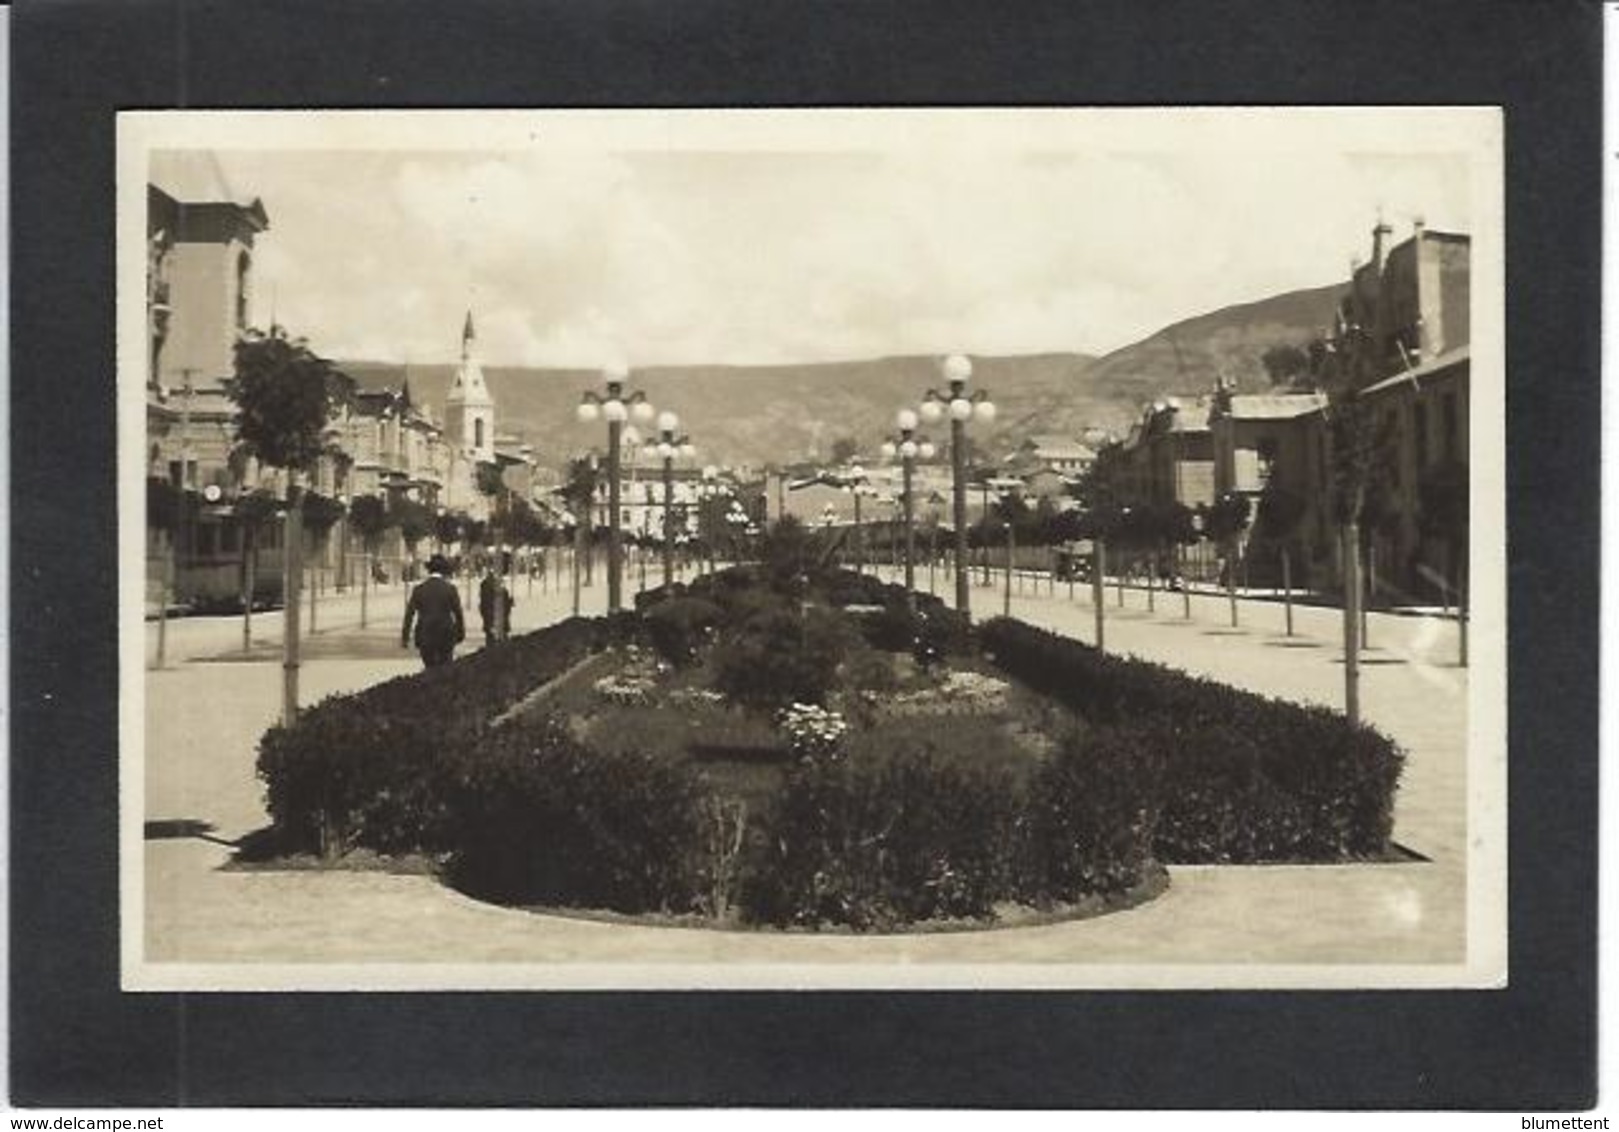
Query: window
1266	450
244	263
477	432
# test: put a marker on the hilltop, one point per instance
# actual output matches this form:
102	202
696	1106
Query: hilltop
1186	357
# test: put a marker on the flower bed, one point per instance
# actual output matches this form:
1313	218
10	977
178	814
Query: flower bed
754	756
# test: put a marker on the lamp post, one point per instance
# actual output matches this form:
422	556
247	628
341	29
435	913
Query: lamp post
670	445
961	408
907	447
737	520
705	515
616	408
854	482
934	500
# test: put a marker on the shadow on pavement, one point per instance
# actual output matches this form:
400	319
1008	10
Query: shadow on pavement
174	829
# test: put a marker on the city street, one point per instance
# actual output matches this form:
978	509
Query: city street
206	711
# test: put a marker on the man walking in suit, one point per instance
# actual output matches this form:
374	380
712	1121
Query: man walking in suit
435	609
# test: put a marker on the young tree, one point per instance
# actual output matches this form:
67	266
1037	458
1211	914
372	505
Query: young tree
368	515
1223	522
252	509
286	396
415	523
579	491
1277	519
1359	445
492	486
447	528
321	514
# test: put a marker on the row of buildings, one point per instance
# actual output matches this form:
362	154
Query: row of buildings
200	284
1400	343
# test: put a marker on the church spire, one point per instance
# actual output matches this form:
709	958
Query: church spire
468	336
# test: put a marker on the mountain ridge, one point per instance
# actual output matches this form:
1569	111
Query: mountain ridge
774	414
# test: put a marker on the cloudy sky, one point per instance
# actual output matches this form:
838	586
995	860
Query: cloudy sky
574	256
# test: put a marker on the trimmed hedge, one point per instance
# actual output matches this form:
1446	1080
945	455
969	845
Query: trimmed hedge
876	844
538	818
366	770
1245	778
1091	817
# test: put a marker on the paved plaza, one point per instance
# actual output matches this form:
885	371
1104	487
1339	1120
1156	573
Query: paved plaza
206	710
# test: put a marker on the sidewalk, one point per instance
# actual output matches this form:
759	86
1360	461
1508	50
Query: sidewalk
204	720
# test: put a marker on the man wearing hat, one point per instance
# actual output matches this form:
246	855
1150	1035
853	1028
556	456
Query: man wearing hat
435	609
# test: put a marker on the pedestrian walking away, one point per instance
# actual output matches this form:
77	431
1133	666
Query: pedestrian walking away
434	609
494	606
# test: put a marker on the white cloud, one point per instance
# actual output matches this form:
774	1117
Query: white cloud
686	257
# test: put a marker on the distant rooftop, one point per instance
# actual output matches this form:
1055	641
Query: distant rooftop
1274	406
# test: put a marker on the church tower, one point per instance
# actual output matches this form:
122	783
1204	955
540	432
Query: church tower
469	411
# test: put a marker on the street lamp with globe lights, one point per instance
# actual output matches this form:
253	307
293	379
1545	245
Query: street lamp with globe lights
614	406
856	485
706	528
737	519
961	407
671	444
907	446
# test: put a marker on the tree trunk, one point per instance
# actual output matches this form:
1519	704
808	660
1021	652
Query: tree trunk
1011	551
1098	596
1231	578
250	582
1351	572
294	568
1287	588
578	544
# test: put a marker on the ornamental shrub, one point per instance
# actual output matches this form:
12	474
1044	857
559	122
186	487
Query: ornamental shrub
680	626
876	844
780	656
536	817
1245	778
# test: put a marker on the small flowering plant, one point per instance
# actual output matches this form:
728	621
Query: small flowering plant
811	730
624	690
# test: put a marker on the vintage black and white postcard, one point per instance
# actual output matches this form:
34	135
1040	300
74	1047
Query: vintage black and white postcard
1020	548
